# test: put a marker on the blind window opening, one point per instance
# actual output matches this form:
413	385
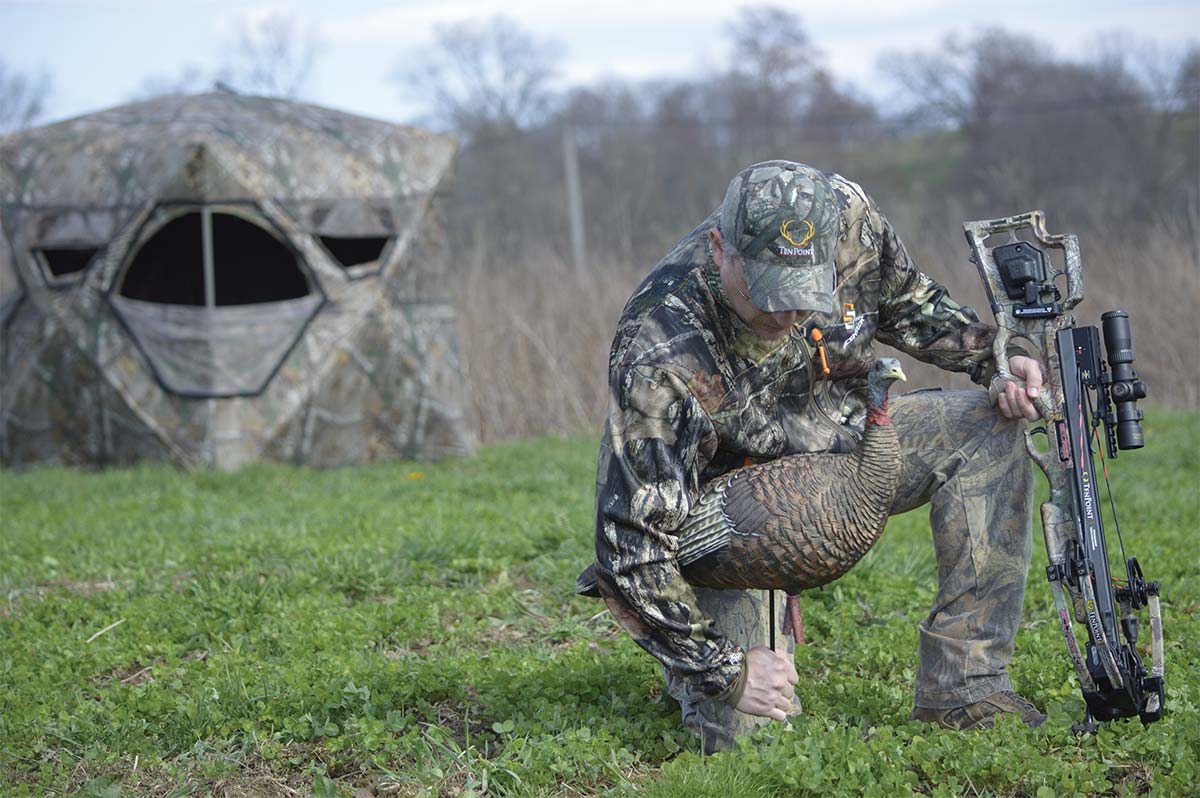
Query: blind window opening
62	263
355	251
209	258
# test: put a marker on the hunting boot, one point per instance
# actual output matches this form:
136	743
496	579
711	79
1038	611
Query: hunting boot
981	714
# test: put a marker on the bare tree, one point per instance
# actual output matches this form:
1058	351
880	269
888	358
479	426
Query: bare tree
772	49
777	99
190	78
483	77
1187	78
489	81
838	114
273	55
764	90
1088	136
22	98
964	82
1006	96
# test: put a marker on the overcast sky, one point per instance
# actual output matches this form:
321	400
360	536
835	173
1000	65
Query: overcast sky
99	53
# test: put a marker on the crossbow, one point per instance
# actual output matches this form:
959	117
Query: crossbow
1080	398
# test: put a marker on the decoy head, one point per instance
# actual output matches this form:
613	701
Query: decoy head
880	376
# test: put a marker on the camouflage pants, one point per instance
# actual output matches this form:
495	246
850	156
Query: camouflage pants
969	463
744	617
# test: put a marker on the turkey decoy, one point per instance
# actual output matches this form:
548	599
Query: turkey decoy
802	520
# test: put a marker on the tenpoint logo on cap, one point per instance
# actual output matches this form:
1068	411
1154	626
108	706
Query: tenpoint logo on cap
785	231
798	249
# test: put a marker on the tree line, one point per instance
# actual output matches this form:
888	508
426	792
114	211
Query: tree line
981	124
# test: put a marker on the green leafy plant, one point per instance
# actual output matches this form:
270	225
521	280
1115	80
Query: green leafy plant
358	630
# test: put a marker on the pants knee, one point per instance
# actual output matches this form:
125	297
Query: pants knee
993	436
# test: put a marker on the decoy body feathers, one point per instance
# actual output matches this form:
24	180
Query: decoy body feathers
799	521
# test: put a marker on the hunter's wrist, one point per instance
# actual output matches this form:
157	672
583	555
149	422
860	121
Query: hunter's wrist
733	693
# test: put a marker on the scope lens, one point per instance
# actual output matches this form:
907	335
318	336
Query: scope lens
1126	388
1118	340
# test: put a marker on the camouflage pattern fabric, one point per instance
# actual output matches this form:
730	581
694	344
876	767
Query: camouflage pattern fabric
363	367
694	393
782	219
743	616
969	464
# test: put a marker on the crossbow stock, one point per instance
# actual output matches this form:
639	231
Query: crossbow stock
1076	402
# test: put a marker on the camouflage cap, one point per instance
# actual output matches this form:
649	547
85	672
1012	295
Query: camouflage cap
782	218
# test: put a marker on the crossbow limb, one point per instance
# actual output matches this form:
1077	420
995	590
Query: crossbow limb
1076	402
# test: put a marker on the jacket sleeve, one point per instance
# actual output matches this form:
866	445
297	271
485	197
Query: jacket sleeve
647	478
917	316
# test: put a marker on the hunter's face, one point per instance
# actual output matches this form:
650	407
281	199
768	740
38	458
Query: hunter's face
765	323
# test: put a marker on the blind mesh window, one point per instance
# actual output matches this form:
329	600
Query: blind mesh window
169	268
354	251
215	302
64	262
248	264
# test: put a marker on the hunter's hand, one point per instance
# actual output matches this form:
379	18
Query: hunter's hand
1015	400
770	683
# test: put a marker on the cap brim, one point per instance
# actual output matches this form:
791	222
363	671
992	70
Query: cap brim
778	288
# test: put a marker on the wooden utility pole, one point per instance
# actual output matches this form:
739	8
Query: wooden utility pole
574	197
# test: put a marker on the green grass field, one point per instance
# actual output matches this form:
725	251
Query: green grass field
411	630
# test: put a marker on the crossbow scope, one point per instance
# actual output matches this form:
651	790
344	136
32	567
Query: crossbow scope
1124	386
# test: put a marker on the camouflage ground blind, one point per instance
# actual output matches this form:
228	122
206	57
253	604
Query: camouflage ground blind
215	279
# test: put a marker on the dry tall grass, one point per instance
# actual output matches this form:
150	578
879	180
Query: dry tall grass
535	339
536	334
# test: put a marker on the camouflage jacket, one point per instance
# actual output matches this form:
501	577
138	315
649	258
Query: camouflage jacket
694	393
